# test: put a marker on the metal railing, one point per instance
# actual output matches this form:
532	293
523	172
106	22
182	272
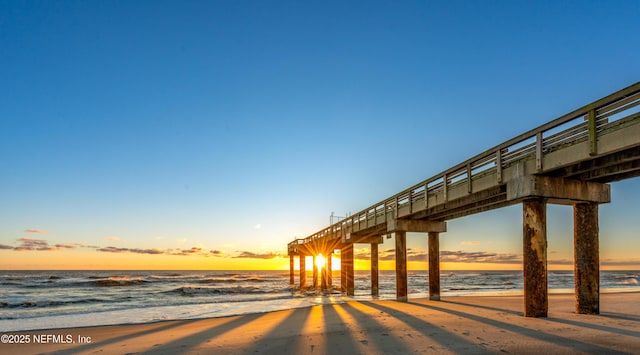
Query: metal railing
583	124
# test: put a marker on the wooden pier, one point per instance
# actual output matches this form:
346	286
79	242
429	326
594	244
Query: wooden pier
570	160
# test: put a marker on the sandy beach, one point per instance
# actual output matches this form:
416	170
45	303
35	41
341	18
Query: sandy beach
473	324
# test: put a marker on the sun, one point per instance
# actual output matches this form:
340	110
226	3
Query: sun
320	261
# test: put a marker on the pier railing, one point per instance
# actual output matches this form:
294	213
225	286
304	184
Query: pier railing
587	123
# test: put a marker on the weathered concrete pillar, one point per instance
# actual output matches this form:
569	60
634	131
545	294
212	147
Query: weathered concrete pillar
535	258
303	272
374	270
329	271
343	271
587	258
315	272
323	277
291	276
401	266
348	266
434	266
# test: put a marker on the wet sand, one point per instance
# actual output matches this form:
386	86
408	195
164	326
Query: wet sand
470	324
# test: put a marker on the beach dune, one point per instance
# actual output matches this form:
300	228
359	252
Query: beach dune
471	324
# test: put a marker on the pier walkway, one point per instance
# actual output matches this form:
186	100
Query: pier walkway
570	160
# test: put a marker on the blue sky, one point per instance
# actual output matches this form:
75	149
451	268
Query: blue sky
235	126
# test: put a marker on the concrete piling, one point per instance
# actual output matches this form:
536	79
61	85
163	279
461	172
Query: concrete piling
587	259
434	266
535	258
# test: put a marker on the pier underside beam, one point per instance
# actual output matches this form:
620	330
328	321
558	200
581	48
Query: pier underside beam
419	226
587	259
534	225
558	190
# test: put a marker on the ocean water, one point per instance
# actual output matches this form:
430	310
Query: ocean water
58	299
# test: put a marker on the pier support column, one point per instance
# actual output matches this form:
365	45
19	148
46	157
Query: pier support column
329	271
343	272
315	273
401	266
434	266
323	277
291	276
303	272
534	225
587	258
347	267
374	270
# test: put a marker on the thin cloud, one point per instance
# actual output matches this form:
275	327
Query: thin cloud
416	254
147	251
561	262
474	242
194	251
111	239
390	254
67	245
75	245
611	262
114	250
479	257
362	254
251	255
153	251
35	231
29	244
386	255
186	252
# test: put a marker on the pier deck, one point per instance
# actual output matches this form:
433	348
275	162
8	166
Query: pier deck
570	160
